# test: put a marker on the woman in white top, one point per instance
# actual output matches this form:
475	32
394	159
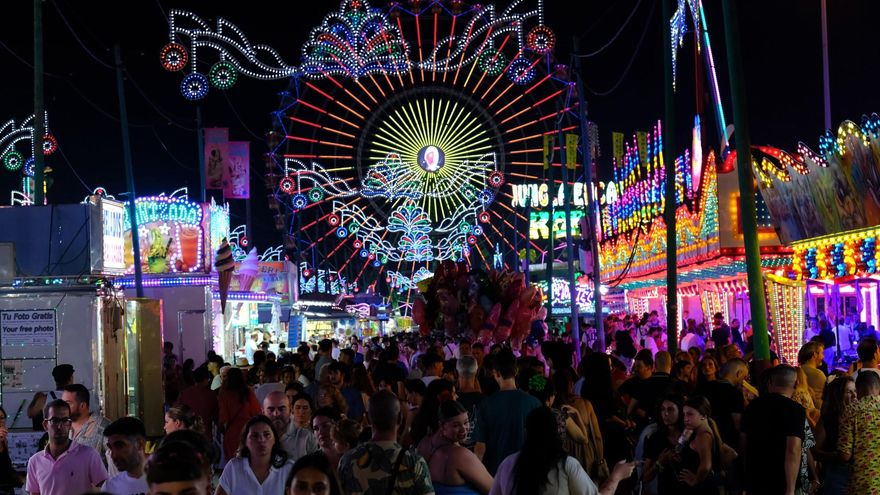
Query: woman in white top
542	466
260	466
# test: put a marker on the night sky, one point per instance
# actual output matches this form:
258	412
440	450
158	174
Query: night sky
782	50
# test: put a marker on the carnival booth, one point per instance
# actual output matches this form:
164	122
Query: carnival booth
58	306
710	254
257	300
826	205
177	238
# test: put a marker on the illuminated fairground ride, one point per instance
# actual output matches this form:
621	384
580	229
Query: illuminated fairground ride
709	237
402	130
398	131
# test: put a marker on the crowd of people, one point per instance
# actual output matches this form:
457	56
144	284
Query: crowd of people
408	414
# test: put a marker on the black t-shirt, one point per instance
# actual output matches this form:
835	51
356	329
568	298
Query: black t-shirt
666	476
624	343
725	400
650	392
721	336
767	423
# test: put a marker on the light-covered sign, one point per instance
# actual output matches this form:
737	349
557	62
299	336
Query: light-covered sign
562	296
171	235
113	229
541	225
541	194
34	327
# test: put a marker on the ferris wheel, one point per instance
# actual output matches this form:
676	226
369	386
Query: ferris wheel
399	135
400	130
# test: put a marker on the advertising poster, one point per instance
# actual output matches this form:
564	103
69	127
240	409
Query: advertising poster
34	327
236	182
216	151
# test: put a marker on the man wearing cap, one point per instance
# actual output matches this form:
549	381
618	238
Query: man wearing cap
720	331
63	375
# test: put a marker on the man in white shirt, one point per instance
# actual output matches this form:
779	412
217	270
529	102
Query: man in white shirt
692	339
845	335
126	438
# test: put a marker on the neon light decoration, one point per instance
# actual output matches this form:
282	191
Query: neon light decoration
171	234
355	42
223	75
194	86
562	296
173	57
786	304
844	255
320	281
631	210
400	129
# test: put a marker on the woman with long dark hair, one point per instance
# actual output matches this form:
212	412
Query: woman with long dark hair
593	449
837	395
598	390
260	466
660	447
698	451
238	404
542	467
426	422
455	470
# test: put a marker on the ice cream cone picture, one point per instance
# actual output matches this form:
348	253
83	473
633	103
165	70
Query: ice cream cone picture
224	265
248	270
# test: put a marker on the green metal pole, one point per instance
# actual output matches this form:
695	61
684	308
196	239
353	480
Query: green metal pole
129	176
592	204
744	173
669	161
568	194
39	111
200	143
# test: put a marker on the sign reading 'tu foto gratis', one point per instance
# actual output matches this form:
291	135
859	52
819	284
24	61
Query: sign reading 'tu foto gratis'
27	327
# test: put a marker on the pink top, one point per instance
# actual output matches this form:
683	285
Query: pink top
77	470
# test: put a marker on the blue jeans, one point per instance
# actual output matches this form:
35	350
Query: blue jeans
836	478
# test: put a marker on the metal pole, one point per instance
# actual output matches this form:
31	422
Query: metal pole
826	80
746	179
528	267
200	142
39	111
567	195
129	175
668	133
592	208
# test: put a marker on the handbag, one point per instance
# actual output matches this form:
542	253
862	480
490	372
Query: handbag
597	468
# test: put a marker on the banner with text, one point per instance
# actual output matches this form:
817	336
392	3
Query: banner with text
20	328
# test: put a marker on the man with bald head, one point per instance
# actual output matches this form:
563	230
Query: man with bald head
380	465
773	431
297	441
726	398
